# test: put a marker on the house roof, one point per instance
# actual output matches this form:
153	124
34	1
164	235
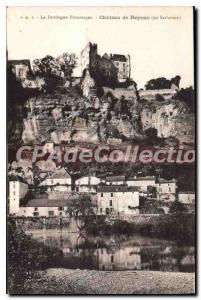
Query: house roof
161	180
186	192
18	62
42	202
118	57
141	178
115	188
115	178
106	56
88	177
61	174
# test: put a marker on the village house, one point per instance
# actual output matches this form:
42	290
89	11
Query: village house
87	184
17	191
60	181
115	180
187	197
141	182
21	68
166	189
43	208
117	199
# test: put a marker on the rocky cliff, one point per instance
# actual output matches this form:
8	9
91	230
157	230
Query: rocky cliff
66	116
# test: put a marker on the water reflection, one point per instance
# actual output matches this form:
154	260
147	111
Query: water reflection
115	252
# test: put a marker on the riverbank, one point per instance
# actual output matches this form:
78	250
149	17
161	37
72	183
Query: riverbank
66	281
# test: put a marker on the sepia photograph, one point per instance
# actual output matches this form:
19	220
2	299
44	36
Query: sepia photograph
101	150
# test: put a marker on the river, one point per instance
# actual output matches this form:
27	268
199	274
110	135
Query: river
116	252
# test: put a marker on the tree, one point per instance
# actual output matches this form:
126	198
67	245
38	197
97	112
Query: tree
162	83
67	62
187	95
53	70
157	84
151	133
177	208
81	208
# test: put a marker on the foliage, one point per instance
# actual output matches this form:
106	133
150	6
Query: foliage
177	208
159	98
81	208
25	256
54	69
180	227
162	83
188	96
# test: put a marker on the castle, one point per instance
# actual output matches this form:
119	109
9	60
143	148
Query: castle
89	57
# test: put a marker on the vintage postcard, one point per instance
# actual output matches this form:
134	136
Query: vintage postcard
101	151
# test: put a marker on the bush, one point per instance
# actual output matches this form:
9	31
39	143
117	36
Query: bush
159	98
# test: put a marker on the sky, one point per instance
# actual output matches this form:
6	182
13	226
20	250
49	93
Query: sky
159	40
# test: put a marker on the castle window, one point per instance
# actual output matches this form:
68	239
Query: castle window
101	210
111	194
60	208
77	189
101	194
36	209
110	202
36	214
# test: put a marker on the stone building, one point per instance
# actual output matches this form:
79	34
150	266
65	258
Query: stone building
115	180
166	189
17	191
43	208
119	62
21	68
88	56
141	183
60	181
122	63
87	184
187	197
117	199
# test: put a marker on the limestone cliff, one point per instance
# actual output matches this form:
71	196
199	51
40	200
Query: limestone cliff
69	116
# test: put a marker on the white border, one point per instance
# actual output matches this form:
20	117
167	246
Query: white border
3	4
